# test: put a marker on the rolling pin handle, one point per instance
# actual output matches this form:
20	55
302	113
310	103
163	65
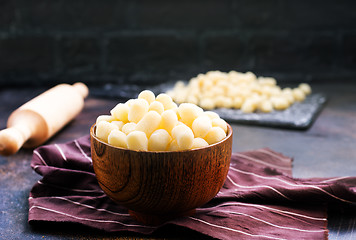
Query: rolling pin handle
82	89
11	140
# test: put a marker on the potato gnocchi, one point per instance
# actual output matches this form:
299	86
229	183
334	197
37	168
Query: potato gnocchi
237	90
151	123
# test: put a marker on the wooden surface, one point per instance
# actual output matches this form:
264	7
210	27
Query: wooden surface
327	149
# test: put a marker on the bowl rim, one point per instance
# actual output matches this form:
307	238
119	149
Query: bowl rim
228	135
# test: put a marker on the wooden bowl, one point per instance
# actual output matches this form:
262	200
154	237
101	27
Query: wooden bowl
159	186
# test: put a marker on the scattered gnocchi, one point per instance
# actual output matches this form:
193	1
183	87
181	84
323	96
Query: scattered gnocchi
151	123
237	90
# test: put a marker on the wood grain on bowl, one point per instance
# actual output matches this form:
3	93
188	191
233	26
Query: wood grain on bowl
158	186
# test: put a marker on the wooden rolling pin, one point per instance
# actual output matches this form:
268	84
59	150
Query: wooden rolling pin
37	120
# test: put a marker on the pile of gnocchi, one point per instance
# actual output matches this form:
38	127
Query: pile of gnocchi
237	90
151	123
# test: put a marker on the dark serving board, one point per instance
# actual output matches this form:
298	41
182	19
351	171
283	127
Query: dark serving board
300	115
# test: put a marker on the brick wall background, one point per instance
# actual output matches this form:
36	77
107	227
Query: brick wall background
45	42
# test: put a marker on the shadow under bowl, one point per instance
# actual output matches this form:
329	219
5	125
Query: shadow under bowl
159	186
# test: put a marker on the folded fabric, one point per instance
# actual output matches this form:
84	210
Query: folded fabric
259	200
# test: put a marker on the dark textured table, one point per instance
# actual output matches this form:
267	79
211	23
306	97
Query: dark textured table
327	149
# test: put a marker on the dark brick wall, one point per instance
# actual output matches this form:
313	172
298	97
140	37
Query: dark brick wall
45	42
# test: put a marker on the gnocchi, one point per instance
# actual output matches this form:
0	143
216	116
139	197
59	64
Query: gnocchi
244	91
151	123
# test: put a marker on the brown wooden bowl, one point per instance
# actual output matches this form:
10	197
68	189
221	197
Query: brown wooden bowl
159	186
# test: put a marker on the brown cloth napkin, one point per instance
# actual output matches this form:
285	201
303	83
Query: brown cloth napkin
259	200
